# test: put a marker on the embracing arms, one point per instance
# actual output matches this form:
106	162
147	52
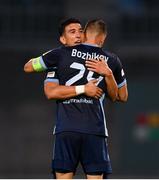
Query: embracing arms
114	92
102	68
55	91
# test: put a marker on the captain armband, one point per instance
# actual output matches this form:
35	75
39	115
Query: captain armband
80	89
37	65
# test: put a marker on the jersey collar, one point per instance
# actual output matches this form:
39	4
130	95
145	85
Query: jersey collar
93	45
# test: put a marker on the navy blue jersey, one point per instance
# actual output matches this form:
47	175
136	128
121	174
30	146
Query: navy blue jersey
82	113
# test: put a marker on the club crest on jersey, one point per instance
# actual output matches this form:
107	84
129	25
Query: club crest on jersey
86	55
51	74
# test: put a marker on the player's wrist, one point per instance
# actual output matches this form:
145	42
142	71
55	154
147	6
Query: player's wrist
80	89
108	73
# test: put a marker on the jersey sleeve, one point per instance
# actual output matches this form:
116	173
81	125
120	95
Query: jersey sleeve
52	77
51	58
48	61
119	73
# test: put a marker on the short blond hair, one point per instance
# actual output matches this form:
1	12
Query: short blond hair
97	26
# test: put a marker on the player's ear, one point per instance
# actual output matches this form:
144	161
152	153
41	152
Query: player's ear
105	37
62	40
102	39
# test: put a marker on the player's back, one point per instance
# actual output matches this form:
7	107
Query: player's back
71	65
82	113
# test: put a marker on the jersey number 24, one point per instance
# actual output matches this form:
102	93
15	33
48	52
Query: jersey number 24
80	75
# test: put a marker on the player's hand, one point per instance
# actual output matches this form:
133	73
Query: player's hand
92	90
99	66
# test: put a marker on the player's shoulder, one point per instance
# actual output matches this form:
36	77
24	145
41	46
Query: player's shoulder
52	51
112	56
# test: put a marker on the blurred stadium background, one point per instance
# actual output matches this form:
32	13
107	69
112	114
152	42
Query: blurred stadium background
29	28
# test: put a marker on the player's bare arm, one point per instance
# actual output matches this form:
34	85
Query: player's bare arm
123	93
101	67
55	91
28	67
